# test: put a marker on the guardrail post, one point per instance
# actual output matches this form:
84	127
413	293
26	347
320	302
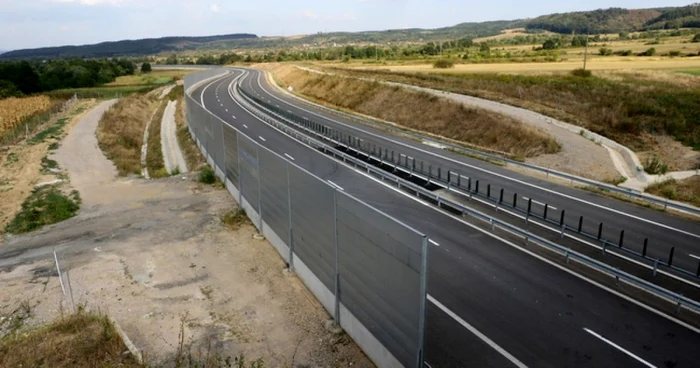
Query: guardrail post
580	224
670	256
644	249
459	180
546	207
477	187
422	169
697	273
469	185
529	208
439	173
500	198
515	200
605	244
656	266
561	223
413	165
392	156
488	191
678	306
449	178
600	230
622	238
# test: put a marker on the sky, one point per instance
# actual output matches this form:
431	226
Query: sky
40	23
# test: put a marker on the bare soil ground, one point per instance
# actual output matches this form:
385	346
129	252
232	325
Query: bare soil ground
156	256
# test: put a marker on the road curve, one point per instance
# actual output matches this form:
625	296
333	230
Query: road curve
491	303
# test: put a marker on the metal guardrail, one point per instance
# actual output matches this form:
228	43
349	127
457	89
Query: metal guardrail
410	166
573	178
442	202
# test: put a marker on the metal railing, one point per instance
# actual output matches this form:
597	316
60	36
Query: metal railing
265	111
666	203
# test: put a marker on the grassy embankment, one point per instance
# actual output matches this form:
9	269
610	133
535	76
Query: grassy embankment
687	190
120	132
154	154
192	154
421	111
622	109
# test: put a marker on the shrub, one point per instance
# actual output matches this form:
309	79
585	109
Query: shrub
623	52
580	72
674	53
443	64
649	52
604	51
207	176
654	166
696	38
146	67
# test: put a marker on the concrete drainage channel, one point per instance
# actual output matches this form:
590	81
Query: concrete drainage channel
315	135
586	231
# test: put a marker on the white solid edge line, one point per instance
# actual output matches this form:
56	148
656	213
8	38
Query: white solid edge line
477	333
694	256
288	155
434	242
526	251
620	348
262	139
336	185
482	169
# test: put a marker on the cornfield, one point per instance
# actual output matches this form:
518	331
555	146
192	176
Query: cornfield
19	116
13	110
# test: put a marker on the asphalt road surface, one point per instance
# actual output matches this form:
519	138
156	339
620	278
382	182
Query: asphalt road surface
492	304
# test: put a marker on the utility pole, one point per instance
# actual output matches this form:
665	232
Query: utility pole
585	53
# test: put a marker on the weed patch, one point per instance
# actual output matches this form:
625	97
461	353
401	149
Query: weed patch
45	205
207	175
654	166
79	340
54	131
235	219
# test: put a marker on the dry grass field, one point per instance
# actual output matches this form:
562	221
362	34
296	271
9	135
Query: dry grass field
421	111
156	77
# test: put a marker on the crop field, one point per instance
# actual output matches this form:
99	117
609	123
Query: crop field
14	111
156	77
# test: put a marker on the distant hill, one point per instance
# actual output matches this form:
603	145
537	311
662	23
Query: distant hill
146	46
613	20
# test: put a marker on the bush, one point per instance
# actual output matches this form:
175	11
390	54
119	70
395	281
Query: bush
207	176
649	52
146	67
696	38
580	72
604	51
443	64
654	166
623	52
674	53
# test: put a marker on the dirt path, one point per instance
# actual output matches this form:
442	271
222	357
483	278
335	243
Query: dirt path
156	257
172	155
579	155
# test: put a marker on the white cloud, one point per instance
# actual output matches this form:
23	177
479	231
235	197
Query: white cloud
91	2
215	8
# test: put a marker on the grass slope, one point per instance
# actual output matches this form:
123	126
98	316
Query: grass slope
422	111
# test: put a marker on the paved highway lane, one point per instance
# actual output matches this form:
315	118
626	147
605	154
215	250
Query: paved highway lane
526	307
664	231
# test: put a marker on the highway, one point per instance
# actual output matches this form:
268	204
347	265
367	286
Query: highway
491	303
663	230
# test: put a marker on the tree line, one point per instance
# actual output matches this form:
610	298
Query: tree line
18	78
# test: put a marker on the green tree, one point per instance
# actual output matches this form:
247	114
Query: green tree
146	67
551	44
484	47
696	38
172	60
